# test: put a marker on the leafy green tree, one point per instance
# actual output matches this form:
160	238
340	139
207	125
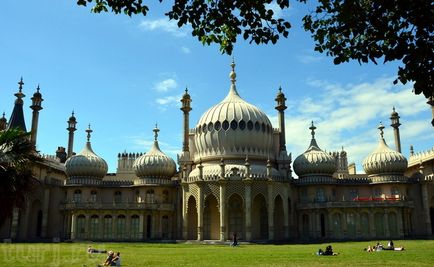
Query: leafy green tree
16	178
362	30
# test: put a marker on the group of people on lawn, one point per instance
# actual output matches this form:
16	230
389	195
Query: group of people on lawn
380	247
113	259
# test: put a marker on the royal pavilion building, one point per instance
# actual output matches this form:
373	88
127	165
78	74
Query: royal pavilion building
233	175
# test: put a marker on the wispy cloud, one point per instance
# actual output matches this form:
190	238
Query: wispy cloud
162	24
185	50
168	101
145	142
347	115
165	85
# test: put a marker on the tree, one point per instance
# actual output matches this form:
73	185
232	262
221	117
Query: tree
362	30
16	178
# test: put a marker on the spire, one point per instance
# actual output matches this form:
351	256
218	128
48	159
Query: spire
381	128
88	131
233	90
312	132
156	130
17	117
3	122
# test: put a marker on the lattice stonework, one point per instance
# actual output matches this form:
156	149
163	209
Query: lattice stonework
279	189
211	189
259	187
235	187
191	190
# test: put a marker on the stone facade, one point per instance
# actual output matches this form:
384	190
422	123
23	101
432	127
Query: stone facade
234	175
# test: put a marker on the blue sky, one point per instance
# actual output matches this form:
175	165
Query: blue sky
124	74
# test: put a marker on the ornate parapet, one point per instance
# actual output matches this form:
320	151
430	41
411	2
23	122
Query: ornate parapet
420	157
71	205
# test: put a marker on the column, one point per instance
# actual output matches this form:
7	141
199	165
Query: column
200	213
372	224
73	223
285	217
128	225
248	210
45	213
87	226
184	213
222	210
141	219
386	223
25	229
344	224
330	230
400	224
270	211
426	212
358	224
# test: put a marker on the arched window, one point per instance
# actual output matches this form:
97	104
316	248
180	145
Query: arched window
250	125
217	125
81	224
118	197
135	223
77	196
93	195
150	197
320	195
242	125
166	196
108	227
121	227
94	225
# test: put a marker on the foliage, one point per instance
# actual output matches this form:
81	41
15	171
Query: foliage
417	253
367	30
370	30
217	22
16	178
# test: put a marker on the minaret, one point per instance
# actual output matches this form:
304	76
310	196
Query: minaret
3	122
394	118
72	122
36	107
186	108
17	116
280	107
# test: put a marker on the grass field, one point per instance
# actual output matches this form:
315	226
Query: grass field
417	253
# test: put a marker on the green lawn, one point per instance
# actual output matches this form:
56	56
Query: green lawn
417	253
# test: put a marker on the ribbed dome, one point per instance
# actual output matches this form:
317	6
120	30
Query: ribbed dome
314	161
233	127
384	160
86	164
154	164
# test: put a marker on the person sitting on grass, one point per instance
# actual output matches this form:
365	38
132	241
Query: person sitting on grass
389	246
116	261
329	251
109	259
369	249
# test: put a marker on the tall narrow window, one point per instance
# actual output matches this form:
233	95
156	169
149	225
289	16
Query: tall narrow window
93	195
77	196
150	198
121	227
118	197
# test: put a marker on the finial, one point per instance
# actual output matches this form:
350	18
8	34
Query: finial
88	131
3	114
156	130
37	88
393	108
280	89
233	75
186	90
312	129
72	114
411	146
21	83
381	128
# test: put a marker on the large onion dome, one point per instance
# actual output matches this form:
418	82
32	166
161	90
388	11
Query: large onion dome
154	163
233	127
383	160
314	161
86	164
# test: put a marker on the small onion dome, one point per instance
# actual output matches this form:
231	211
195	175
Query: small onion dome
86	164
154	163
314	161
384	160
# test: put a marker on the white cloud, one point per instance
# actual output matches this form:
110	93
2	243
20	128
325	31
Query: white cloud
185	50
308	58
163	24
165	85
168	100
347	115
